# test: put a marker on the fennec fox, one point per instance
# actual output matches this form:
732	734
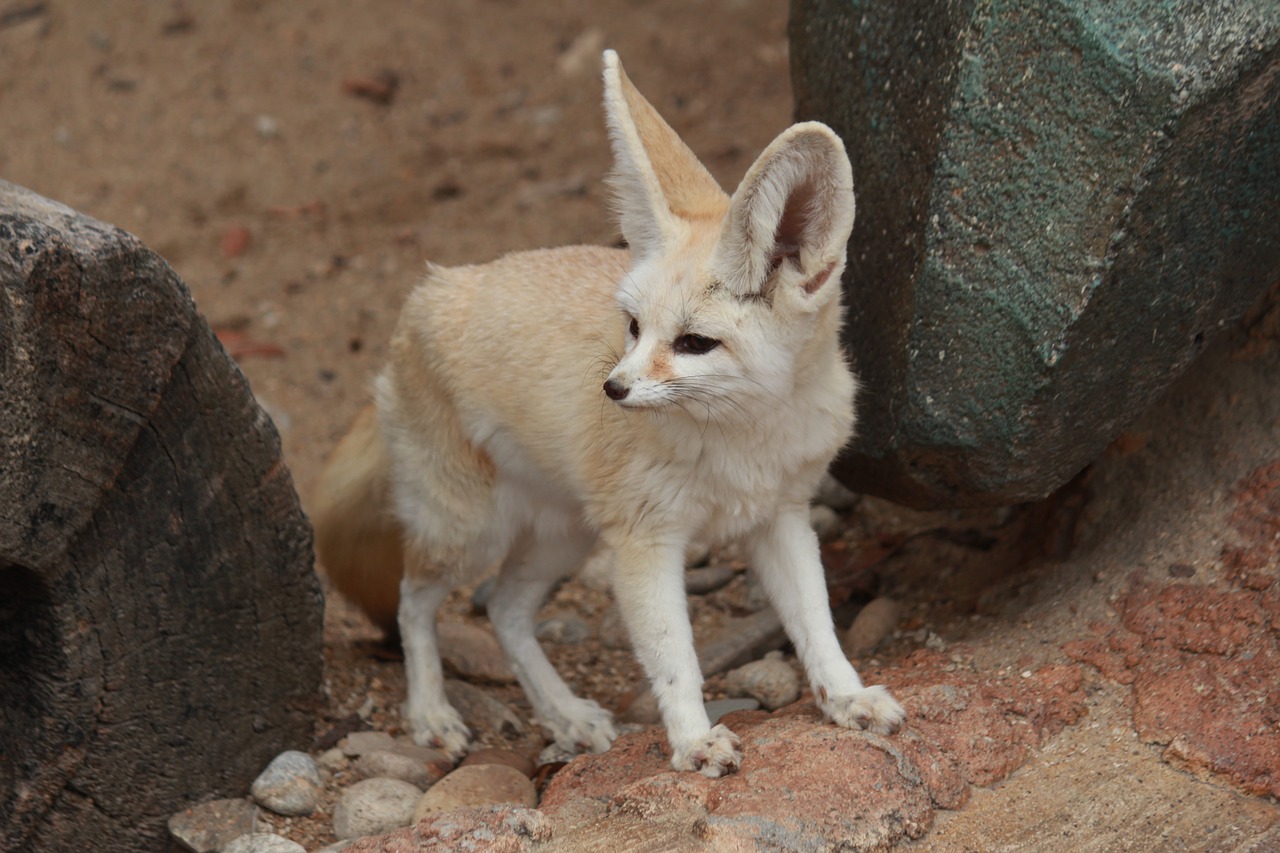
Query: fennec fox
692	385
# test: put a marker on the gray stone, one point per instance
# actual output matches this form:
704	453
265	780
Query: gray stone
741	639
290	785
263	842
374	805
717	708
473	653
772	681
158	604
1059	204
708	579
481	712
208	827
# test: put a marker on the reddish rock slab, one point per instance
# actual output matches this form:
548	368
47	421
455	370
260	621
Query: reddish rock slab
487	829
1203	659
806	783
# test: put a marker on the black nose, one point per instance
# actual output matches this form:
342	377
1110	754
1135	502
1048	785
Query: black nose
615	391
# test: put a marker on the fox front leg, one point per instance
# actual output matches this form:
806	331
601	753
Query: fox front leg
786	558
649	586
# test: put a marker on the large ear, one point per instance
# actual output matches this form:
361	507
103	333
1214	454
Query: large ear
792	213
656	179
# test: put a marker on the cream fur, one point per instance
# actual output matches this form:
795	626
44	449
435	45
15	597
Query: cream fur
500	444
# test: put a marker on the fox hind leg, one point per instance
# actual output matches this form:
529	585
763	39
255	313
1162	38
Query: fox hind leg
527	576
431	719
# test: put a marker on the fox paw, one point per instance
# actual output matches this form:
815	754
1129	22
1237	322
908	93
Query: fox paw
871	709
586	728
441	728
715	755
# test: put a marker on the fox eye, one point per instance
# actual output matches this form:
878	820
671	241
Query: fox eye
634	328
695	344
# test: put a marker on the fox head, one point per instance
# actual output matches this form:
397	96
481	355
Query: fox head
725	294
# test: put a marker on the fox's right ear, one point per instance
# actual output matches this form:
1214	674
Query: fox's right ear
657	180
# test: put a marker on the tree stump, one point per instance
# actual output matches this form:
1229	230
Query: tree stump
1060	203
160	621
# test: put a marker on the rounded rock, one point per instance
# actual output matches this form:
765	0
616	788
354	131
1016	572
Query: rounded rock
290	785
873	623
373	806
492	755
382	763
477	785
772	681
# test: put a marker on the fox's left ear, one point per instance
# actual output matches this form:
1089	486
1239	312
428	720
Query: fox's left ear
790	218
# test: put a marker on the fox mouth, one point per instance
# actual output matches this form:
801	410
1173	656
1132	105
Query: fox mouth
640	405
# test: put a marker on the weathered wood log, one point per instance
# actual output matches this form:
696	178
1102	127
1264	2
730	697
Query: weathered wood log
160	621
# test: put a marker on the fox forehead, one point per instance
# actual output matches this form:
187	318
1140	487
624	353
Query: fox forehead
682	298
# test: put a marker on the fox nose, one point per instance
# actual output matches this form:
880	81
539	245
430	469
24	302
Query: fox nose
615	390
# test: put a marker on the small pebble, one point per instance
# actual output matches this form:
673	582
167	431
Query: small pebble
357	744
426	754
477	785
267	126
597	571
824	521
290	785
755	599
563	630
332	760
613	631
643	709
263	842
372	806
833	493
872	624
483	592
772	681
709	579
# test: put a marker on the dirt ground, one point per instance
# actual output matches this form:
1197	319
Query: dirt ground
298	163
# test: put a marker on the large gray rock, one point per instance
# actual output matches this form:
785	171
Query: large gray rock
1059	204
159	617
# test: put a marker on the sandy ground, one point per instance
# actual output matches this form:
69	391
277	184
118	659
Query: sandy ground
298	163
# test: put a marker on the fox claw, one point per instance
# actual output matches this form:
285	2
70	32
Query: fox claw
870	709
717	754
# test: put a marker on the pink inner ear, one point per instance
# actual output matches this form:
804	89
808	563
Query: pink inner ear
811	286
